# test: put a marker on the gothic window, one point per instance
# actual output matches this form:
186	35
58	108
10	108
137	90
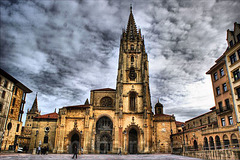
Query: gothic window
132	59
45	139
132	47
132	101
104	124
106	102
132	74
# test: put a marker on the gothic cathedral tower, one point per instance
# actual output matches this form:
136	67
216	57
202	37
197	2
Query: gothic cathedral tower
133	102
133	73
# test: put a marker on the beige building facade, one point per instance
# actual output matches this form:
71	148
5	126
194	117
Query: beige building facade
43	131
218	129
14	91
121	119
232	59
5	100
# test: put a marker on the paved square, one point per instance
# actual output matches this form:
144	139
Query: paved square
94	157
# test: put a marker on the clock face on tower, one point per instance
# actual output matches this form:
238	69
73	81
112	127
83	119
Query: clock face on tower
132	74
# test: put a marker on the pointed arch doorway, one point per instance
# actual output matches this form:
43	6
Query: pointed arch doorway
103	139
133	142
75	141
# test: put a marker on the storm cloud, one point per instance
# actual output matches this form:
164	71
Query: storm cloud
63	49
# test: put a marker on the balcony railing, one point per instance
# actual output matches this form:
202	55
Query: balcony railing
224	109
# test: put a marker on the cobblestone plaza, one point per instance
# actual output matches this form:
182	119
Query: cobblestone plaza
94	157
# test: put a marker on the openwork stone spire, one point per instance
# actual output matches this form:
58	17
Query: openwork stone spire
34	108
131	27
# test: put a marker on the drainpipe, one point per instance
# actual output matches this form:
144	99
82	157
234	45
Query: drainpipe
4	128
232	92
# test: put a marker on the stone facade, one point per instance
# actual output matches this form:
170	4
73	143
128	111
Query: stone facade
43	131
12	112
5	100
217	129
28	128
121	119
232	60
191	138
216	154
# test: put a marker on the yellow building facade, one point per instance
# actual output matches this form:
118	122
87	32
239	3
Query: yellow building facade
215	134
232	59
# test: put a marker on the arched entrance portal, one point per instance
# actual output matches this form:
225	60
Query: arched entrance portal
195	145
103	140
105	144
133	142
74	142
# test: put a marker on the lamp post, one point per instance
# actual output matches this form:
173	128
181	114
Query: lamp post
183	139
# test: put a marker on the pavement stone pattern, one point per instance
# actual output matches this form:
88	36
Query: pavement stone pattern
94	157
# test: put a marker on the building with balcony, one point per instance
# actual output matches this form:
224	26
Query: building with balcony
218	129
13	96
232	60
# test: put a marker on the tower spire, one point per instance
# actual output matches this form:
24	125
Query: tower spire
131	27
35	105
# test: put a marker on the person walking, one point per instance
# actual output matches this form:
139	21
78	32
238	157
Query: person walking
39	150
74	152
120	152
81	150
47	149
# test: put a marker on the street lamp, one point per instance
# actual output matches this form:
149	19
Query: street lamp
183	128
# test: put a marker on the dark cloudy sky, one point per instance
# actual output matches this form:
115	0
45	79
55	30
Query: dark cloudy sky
63	49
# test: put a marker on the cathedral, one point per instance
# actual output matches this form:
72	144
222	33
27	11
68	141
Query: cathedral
114	120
